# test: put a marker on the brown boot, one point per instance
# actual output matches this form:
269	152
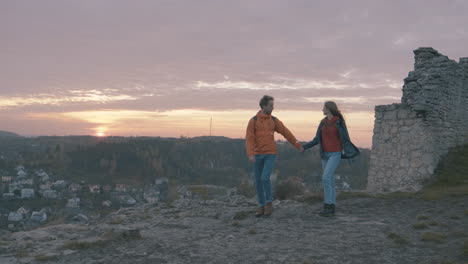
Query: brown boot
268	209
260	211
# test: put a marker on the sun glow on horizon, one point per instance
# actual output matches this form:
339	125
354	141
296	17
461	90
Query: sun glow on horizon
195	122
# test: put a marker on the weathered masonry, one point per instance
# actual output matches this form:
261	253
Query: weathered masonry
410	138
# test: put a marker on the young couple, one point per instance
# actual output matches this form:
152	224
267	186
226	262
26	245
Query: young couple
332	135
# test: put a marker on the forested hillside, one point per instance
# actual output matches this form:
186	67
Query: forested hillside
138	161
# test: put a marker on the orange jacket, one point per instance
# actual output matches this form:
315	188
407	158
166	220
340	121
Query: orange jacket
260	139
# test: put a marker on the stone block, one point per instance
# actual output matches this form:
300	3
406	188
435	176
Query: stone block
402	114
391	115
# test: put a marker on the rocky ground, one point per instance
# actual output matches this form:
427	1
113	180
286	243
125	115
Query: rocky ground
365	230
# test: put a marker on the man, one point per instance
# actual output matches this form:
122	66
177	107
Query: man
261	149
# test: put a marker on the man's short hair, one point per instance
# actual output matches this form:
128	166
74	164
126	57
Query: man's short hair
265	99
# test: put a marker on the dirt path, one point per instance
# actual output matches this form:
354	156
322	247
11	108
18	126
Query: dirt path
365	230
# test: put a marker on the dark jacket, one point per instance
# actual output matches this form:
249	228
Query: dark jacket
349	150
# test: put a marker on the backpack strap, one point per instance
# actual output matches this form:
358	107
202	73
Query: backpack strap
272	118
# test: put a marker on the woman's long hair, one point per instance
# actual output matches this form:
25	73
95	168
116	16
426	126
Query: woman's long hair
333	108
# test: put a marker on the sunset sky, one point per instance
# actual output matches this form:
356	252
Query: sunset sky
165	68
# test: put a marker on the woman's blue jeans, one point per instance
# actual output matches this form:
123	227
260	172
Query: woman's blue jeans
264	165
329	165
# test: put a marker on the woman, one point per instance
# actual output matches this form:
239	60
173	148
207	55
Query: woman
333	137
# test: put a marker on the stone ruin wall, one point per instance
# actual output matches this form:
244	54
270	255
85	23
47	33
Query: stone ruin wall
411	137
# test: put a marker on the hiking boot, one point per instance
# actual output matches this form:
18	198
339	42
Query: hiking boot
327	210
268	209
260	211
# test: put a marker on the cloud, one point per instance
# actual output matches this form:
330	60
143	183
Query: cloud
73	96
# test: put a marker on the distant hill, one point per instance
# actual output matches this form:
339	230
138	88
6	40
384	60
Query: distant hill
8	134
212	138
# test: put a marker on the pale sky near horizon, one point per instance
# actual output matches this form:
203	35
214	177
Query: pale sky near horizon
165	68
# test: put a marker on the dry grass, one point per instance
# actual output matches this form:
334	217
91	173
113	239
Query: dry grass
81	245
397	238
422	217
289	189
42	257
235	223
433	237
459	234
23	253
241	215
465	248
104	239
252	231
420	226
438	192
395	195
349	195
116	221
310	198
246	189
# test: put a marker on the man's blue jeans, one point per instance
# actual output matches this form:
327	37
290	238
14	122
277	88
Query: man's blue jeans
329	166
263	168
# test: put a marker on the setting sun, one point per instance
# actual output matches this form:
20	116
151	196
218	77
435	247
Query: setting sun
100	134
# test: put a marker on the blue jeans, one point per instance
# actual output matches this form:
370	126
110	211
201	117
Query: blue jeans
263	168
329	165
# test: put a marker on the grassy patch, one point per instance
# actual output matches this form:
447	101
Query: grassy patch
466	212
116	221
42	257
246	189
451	170
433	223
439	192
289	189
104	239
450	178
422	217
459	234
3	243
81	245
22	254
201	190
465	248
349	195
455	217
396	195
252	231
397	238
241	215
310	198
420	226
433	237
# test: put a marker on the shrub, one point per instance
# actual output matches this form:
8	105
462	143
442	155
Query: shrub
422	217
420	226
241	215
246	189
288	189
433	237
397	238
252	231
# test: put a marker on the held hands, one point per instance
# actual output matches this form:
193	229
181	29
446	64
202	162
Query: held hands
301	149
251	159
